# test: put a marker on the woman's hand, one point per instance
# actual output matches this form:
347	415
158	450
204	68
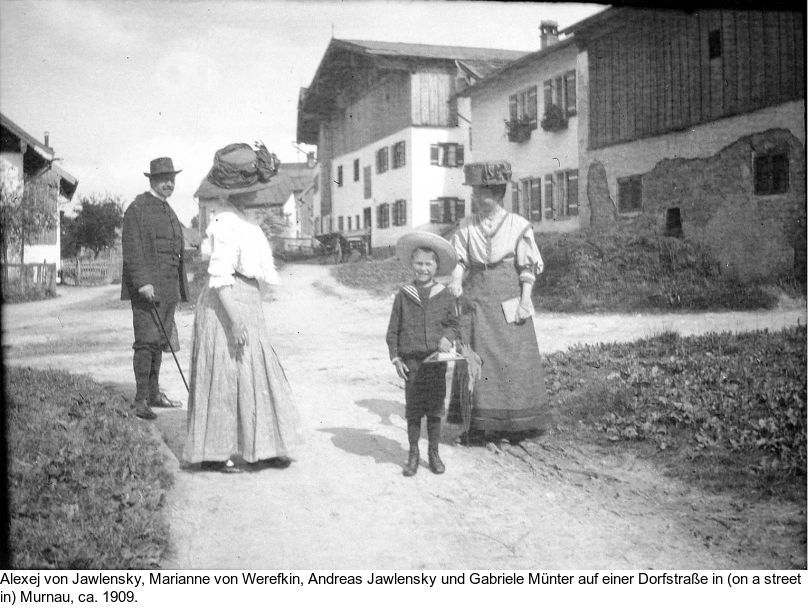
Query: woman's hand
456	287
401	369
240	334
523	313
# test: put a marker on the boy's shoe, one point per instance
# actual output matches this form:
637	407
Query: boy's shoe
435	463
411	468
142	410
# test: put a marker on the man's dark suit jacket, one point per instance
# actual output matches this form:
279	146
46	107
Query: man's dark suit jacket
140	251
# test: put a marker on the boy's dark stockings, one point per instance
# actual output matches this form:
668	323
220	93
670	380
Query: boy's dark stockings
433	424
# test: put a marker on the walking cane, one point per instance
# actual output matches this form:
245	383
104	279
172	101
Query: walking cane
168	341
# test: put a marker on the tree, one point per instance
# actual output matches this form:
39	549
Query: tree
97	222
26	209
195	222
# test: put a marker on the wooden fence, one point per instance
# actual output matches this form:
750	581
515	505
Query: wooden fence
22	277
82	272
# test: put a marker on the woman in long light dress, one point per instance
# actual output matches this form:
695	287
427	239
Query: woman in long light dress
240	401
498	260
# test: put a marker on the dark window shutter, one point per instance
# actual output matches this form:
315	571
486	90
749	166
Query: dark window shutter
460	209
532	105
572	192
367	186
513	107
535	200
459	156
435	209
548	196
548	94
434	154
572	107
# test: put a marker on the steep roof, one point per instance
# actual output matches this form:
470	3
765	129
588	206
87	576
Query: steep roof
14	129
341	60
493	77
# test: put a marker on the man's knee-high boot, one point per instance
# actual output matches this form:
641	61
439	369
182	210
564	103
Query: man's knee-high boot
413	434
154	375
433	433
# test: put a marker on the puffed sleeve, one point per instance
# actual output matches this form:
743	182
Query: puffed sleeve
528	258
224	252
460	242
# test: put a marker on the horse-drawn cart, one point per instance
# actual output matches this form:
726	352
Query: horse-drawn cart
338	247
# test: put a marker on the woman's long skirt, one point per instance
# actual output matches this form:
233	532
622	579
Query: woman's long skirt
511	394
240	401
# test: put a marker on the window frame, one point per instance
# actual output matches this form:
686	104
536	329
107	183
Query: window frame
440	153
356	170
399	154
769	180
382	160
452	209
399	212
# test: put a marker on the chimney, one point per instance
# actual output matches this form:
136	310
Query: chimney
549	33
47	139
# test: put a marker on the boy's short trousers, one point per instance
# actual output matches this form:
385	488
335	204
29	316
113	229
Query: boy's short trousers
425	389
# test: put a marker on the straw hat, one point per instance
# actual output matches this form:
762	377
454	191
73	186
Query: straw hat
447	258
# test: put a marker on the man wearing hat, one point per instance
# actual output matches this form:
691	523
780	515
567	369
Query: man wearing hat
154	281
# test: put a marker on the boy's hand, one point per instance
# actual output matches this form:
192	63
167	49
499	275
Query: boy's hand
444	345
401	369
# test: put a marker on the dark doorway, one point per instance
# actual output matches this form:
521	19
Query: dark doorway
673	223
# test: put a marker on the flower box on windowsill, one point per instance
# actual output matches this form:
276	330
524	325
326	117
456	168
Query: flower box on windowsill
518	129
554	119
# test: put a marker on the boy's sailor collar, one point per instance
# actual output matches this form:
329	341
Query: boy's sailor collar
411	291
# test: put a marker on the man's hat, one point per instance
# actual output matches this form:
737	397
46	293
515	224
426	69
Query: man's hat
447	258
492	173
161	166
238	168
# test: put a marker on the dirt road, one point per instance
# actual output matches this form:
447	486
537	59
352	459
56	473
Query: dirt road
343	504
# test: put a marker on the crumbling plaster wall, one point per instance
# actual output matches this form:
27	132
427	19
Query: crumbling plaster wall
707	172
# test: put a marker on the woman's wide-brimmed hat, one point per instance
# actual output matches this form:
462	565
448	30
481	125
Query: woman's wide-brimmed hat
491	173
447	258
161	166
238	168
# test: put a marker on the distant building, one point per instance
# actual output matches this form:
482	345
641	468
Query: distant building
24	161
527	113
391	135
277	204
693	124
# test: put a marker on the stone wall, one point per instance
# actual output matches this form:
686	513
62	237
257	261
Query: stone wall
752	236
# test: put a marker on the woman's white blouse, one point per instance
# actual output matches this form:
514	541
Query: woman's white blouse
238	246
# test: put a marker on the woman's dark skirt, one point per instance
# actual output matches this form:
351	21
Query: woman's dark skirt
511	394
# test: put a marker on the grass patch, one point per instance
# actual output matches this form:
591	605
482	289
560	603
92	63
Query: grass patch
86	480
726	411
379	277
590	271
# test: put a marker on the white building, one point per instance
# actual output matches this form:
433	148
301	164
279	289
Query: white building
514	120
391	135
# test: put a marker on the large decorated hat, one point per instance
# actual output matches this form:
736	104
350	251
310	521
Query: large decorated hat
492	173
407	244
238	168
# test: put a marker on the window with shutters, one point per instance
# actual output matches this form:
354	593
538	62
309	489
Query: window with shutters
530	199
383	216
356	170
366	217
350	222
446	155
523	106
382	158
570	206
446	210
560	92
340	223
339	176
400	213
771	173
366	185
399	155
629	194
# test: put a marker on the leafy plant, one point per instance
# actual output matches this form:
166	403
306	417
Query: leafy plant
554	119
96	224
519	128
26	209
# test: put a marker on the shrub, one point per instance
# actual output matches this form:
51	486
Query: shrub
86	480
